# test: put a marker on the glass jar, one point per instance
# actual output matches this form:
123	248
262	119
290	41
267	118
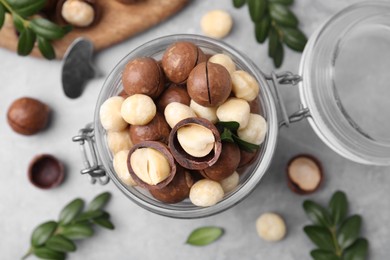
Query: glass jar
326	101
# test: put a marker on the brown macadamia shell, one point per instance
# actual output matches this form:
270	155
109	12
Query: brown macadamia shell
173	93
156	130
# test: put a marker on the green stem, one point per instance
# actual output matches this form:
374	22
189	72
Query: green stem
12	11
338	252
30	250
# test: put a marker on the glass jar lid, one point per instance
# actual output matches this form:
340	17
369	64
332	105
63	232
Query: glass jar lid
345	72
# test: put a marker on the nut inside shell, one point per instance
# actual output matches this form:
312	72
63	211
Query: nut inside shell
186	160
97	13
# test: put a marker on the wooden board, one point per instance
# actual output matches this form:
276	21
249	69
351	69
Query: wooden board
117	23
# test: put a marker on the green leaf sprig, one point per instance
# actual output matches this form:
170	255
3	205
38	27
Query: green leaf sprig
274	20
228	131
32	29
53	239
335	234
204	236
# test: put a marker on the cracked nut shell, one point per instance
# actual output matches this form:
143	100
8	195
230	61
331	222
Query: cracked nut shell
28	116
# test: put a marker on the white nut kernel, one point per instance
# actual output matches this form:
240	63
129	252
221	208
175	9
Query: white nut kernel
138	109
271	227
216	24
255	131
110	114
224	60
196	140
175	112
209	113
234	109
118	141
150	165
244	85
230	183
205	193
78	13
121	169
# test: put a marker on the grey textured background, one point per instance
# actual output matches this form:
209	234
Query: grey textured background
140	234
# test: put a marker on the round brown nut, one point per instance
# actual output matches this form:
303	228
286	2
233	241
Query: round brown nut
179	59
209	84
226	164
246	157
173	93
177	190
28	116
143	76
156	130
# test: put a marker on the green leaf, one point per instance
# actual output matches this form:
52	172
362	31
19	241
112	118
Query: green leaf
262	29
42	233
104	221
227	136
257	9
61	244
99	201
294	39
349	231
320	236
48	254
320	254
89	215
357	251
317	214
77	231
231	125
272	42
204	236
338	207
47	29
2	15
19	25
26	42
249	147
282	15
46	48
71	211
27	8
283	2
278	56
239	3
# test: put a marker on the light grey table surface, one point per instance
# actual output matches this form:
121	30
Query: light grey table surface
140	234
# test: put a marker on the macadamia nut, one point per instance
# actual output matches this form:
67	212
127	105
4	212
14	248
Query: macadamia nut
209	113
216	24
150	165
230	183
224	60
110	114
175	112
271	227
244	85
234	109
78	13
118	141
196	140
138	109
120	167
205	193
255	131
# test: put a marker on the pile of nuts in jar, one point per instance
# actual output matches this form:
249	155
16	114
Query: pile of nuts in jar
164	128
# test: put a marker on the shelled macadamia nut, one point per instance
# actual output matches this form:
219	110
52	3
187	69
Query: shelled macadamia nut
143	76
118	141
138	109
80	13
120	167
271	227
110	114
230	183
196	140
216	24
206	193
234	109
179	59
225	61
173	93
156	130
175	112
244	85
209	113
255	131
